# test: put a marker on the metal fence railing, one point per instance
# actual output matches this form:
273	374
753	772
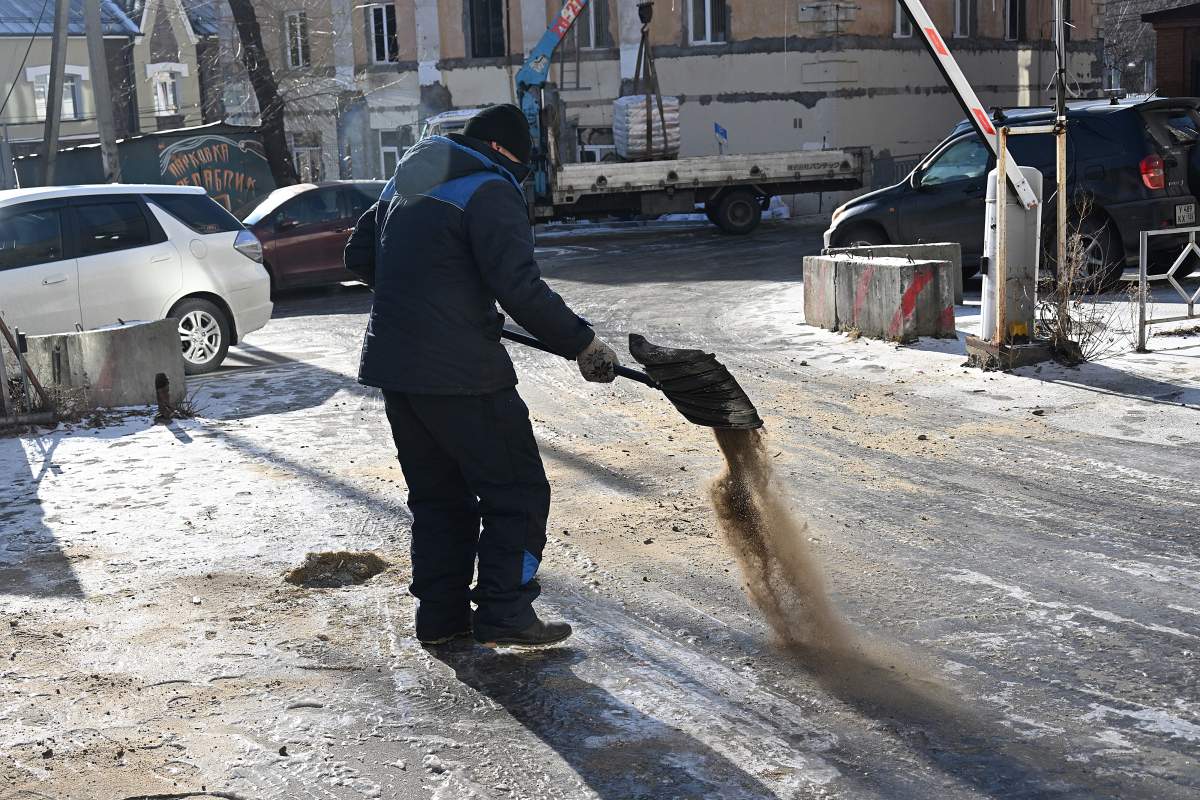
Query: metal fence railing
1144	280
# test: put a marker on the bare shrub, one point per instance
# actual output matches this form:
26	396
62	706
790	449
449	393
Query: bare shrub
1081	323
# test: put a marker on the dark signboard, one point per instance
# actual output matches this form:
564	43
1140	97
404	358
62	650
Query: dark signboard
227	161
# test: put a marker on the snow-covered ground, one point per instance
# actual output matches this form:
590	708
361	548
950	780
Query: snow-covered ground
1019	549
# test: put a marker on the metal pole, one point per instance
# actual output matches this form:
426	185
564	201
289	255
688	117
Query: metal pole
1143	242
101	94
8	176
54	89
1000	270
1060	122
4	412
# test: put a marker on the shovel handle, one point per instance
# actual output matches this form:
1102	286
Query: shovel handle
536	344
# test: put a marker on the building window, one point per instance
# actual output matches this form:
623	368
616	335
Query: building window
166	94
384	46
487	28
390	151
708	21
592	26
72	104
296	29
306	155
903	29
1014	20
962	19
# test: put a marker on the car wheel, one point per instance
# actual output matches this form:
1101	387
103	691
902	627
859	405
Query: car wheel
860	236
204	333
738	212
1101	257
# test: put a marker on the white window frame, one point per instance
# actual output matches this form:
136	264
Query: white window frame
903	28
590	11
384	149
73	78
1010	35
707	37
309	156
379	11
164	88
962	19
298	42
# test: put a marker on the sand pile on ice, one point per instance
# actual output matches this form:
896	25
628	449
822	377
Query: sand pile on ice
331	570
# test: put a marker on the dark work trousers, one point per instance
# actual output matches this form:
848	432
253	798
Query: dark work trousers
467	459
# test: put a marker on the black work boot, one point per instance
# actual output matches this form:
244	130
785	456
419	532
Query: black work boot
539	634
433	641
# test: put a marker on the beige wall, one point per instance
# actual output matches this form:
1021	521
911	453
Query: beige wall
851	84
187	86
20	114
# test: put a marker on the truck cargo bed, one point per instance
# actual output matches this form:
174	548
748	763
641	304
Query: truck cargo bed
774	173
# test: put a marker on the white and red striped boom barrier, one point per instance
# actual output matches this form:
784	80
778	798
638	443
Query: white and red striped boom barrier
966	95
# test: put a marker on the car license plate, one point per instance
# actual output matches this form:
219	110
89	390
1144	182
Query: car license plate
1185	214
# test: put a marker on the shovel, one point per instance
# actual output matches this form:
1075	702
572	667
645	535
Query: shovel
696	383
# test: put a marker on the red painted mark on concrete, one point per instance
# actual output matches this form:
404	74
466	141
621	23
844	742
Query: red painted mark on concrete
946	323
860	293
984	122
939	46
908	301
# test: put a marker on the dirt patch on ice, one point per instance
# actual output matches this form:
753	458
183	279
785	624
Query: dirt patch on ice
331	570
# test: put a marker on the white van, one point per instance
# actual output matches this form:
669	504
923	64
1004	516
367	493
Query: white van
82	257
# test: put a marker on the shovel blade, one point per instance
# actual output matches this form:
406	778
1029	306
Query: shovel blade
697	384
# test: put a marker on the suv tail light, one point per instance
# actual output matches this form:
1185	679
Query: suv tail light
248	245
1152	172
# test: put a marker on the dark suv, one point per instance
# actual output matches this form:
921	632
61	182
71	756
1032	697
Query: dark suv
1127	171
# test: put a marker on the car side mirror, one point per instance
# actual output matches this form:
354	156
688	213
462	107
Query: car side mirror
914	180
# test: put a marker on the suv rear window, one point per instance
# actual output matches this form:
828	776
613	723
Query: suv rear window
1172	127
198	211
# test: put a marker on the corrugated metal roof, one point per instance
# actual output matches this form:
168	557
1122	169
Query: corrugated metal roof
203	15
20	18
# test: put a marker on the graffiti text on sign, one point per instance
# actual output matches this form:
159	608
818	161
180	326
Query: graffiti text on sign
205	166
219	181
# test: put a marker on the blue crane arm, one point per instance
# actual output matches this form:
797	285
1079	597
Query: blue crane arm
537	66
532	77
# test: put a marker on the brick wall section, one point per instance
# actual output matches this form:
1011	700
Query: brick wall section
1170	62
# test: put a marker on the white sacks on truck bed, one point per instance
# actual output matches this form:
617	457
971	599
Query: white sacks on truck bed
629	127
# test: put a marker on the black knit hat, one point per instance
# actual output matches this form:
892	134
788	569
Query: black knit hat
506	126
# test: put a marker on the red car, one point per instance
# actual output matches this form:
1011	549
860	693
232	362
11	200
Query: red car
304	228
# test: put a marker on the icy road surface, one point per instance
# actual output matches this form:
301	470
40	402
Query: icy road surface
1028	583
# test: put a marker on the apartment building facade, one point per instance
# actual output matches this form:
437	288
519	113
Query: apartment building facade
359	79
25	47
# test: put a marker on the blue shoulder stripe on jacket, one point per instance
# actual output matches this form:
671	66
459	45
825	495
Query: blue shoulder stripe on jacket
458	192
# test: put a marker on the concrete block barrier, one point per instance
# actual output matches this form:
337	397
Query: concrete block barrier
113	366
820	299
937	251
882	298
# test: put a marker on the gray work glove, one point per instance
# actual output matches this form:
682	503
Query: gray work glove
598	362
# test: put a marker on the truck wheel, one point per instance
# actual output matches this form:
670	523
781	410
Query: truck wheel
738	212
